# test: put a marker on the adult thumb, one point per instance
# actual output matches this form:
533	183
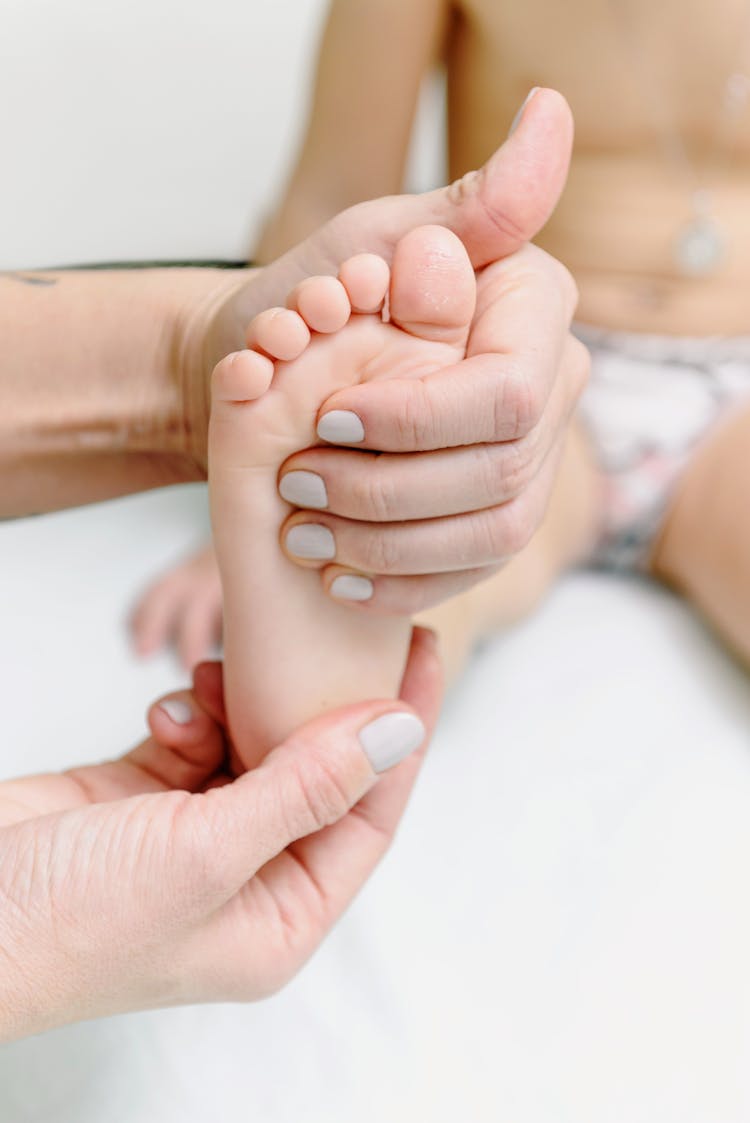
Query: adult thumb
500	207
503	205
307	783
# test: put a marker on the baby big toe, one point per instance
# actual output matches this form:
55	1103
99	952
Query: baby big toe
433	289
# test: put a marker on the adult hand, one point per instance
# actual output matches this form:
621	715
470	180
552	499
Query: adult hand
158	879
483	437
494	211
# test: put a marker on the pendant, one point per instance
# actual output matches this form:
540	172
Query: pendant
699	247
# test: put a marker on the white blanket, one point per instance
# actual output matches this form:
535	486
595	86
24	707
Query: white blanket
560	933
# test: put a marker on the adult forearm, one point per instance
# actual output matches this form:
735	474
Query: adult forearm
102	382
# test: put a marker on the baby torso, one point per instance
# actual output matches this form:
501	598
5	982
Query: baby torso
647	85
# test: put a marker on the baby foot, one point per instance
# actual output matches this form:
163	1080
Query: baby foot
290	651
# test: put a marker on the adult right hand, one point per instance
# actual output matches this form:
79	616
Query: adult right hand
495	211
158	879
426	485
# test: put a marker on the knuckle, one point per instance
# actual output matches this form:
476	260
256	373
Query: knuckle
323	797
189	849
415	421
516	469
474	185
464	188
508	531
408	422
519	528
381	552
491	472
197	839
373	493
494	473
483	540
519	404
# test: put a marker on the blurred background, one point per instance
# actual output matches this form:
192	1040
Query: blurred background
158	131
556	935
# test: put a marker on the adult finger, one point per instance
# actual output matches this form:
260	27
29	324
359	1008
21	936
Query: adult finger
340	858
306	784
422	687
185	749
398	596
343	854
519	339
391	487
208	687
494	210
415	548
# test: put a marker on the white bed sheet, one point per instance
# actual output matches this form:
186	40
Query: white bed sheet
560	932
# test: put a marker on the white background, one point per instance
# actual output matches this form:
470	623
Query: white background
139	129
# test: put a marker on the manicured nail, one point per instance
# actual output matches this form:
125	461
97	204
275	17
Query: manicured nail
519	115
341	426
351	587
390	738
304	489
179	711
311	541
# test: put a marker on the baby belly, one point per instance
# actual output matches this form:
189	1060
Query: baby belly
629	235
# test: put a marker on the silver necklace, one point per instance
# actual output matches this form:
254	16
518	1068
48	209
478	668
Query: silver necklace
699	246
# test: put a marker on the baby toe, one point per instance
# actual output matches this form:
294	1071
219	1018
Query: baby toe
241	377
323	304
280	332
366	278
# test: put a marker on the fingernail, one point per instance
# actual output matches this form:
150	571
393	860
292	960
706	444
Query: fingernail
519	115
179	711
341	426
351	587
390	738
311	541
304	489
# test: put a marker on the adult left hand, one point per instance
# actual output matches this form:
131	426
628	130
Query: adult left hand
158	878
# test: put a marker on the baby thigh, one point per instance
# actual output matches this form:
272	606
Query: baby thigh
704	546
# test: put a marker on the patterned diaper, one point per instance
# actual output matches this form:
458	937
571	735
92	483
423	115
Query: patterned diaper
650	402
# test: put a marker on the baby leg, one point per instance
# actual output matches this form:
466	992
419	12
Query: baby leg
290	651
704	547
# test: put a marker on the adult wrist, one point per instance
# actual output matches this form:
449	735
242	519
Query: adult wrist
103	383
202	336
